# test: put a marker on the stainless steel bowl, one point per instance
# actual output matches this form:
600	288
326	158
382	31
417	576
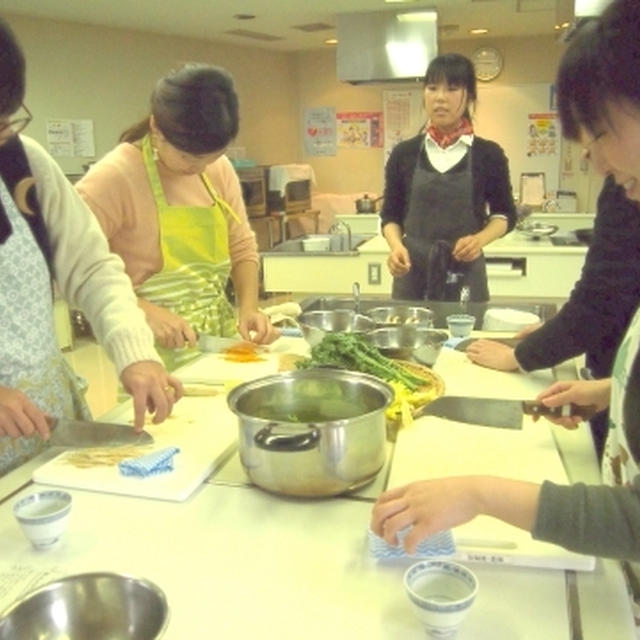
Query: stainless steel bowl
89	606
537	230
316	324
401	314
409	341
312	433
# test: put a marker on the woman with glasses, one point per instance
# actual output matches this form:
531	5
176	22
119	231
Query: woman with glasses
598	88
170	203
48	234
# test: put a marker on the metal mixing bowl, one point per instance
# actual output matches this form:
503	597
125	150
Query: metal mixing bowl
89	606
316	324
401	314
409	341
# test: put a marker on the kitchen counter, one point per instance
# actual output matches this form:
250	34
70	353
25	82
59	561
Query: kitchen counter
237	562
517	267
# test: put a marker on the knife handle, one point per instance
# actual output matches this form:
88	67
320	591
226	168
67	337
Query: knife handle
533	408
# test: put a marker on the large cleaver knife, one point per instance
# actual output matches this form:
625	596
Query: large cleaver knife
86	433
496	412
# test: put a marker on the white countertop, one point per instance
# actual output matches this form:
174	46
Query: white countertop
513	244
236	562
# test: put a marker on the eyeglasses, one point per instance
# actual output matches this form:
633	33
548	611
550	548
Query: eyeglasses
15	126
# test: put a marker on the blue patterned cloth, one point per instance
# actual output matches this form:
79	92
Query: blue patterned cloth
150	465
441	545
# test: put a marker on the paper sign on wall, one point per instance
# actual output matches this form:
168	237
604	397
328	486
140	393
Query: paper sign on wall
70	138
359	129
543	135
320	131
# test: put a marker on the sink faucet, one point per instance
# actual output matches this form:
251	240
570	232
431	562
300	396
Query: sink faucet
336	228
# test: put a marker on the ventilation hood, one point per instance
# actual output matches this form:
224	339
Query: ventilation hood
577	12
589	8
384	46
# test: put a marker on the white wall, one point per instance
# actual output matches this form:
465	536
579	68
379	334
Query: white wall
82	71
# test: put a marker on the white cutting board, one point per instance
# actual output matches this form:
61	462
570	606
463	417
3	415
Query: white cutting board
434	447
213	367
465	378
202	427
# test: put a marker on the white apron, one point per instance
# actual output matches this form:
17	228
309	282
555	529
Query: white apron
30	359
618	466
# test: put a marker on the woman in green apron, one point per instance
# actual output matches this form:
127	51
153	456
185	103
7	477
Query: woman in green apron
599	106
171	206
46	232
439	187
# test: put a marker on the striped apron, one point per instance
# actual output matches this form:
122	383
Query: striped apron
195	250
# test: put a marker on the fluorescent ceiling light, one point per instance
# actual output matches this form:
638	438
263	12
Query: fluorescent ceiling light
417	16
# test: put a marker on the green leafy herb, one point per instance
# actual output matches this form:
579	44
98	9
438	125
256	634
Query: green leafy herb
354	352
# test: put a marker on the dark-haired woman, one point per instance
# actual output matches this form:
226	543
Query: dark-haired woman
170	203
447	194
47	233
599	104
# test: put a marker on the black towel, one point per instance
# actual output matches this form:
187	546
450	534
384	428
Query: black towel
439	263
17	177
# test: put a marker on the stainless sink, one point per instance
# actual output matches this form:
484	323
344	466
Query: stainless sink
338	245
440	309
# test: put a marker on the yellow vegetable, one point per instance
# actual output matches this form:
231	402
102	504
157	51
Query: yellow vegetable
405	402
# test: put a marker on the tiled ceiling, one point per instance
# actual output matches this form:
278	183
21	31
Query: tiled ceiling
287	25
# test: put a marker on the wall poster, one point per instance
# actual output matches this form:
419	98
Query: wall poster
543	135
70	138
359	129
319	133
403	117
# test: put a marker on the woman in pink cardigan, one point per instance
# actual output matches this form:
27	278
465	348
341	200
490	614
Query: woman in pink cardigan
170	203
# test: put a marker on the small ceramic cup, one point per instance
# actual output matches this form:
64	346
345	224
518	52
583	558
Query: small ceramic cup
43	516
460	324
441	593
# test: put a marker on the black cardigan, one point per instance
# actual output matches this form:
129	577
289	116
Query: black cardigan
603	301
489	169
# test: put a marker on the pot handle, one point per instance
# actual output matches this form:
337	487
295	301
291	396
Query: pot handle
269	441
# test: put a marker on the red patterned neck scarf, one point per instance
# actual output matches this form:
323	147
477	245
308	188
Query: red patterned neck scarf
444	140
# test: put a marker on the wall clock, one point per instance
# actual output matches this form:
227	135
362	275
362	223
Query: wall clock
487	62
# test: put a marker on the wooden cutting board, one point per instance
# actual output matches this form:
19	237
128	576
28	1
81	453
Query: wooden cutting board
203	428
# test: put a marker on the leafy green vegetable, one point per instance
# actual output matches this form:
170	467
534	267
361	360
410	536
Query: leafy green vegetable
354	352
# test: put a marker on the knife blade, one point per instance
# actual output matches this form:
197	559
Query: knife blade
86	433
496	412
216	344
509	342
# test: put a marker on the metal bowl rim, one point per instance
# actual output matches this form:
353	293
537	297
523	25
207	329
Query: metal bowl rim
251	385
50	586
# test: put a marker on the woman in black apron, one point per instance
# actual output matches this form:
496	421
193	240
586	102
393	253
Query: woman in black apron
447	194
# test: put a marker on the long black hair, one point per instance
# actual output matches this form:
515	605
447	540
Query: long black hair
12	71
456	70
601	64
195	108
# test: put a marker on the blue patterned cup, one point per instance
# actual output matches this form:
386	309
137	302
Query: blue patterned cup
43	516
441	593
460	324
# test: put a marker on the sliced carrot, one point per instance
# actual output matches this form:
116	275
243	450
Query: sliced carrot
242	352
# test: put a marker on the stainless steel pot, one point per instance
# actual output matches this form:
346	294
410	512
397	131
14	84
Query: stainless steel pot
367	204
312	433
